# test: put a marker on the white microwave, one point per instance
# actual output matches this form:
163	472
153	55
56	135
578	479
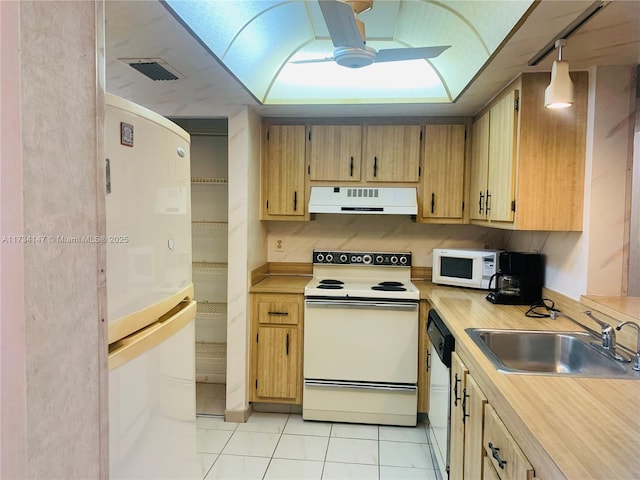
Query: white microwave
464	268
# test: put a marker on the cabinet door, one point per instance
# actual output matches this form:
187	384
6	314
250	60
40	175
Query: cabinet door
456	443
502	156
277	366
283	176
335	152
424	362
503	451
479	168
443	176
473	406
392	153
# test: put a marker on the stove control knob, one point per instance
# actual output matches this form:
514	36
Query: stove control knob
394	259
343	258
319	258
353	259
379	260
329	258
366	259
403	260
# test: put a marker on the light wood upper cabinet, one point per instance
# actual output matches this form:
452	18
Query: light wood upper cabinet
335	152
276	350
283	173
533	159
479	168
500	177
391	153
443	172
493	164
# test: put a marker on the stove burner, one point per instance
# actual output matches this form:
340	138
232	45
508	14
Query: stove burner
391	284
389	288
331	281
330	286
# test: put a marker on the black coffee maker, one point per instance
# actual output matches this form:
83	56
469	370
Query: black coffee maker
519	279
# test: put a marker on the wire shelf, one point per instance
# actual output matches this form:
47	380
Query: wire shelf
209	267
208	181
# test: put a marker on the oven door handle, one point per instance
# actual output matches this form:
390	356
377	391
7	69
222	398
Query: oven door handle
361	385
361	304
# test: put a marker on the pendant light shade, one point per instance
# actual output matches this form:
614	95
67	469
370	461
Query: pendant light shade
559	93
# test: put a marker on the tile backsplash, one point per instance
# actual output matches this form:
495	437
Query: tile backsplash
374	233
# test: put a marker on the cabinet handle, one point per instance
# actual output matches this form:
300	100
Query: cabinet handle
488	204
433	201
375	166
295	201
464	405
428	363
278	313
455	390
496	455
480	202
351	167
287	345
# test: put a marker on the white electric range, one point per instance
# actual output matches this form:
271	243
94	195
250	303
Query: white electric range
361	339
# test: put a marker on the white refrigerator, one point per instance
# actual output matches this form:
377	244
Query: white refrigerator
151	311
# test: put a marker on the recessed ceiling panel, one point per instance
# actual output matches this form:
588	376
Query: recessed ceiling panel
282	53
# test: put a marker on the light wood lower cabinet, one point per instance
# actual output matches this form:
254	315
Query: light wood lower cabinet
276	350
506	458
480	445
423	359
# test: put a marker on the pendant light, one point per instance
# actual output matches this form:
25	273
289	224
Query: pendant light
559	93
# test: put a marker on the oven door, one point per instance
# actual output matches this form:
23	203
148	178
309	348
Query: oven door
361	340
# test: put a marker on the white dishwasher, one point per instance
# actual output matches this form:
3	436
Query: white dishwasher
442	344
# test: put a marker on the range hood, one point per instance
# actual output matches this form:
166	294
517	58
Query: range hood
367	200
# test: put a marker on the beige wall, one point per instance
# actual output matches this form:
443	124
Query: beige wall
54	417
12	343
246	251
375	233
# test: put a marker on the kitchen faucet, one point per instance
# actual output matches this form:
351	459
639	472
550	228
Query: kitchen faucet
636	363
607	333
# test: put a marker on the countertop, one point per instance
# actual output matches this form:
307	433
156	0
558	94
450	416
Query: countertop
568	427
576	428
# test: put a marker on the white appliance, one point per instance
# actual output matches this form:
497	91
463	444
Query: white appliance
361	339
368	200
152	432
465	268
442	344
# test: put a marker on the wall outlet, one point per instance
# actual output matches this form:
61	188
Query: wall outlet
279	245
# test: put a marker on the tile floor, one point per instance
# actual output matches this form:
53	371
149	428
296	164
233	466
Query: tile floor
284	446
210	398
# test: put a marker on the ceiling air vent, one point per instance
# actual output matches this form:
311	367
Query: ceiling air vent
154	68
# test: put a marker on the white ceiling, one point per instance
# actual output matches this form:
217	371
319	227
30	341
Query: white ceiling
146	29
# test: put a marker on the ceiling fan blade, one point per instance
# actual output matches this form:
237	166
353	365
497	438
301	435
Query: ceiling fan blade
341	22
315	60
400	54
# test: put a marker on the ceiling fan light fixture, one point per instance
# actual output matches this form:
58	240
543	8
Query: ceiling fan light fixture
559	93
354	57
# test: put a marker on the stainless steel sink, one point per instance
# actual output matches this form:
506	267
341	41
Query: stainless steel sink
548	353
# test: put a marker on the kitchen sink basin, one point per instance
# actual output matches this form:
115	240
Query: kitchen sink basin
548	353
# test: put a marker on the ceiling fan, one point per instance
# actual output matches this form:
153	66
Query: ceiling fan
348	35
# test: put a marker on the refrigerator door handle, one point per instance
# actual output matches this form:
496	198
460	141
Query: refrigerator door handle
128	348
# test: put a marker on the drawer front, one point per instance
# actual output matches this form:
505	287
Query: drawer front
503	452
279	312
